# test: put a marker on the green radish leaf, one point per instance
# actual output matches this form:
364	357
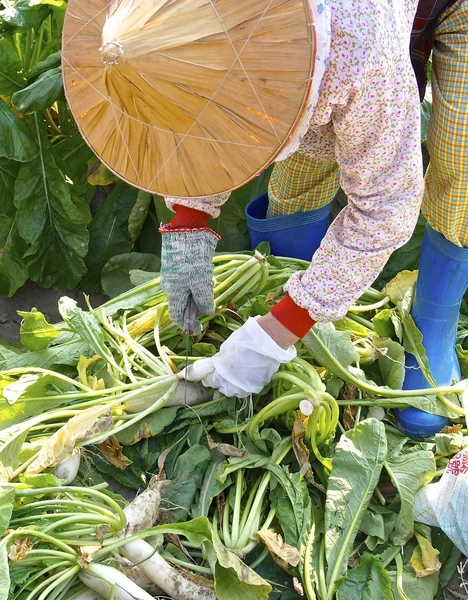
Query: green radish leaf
383	323
11	440
41	94
50	222
357	464
233	578
138	277
11	69
415	588
51	62
337	342
85	324
368	581
375	520
35	332
293	505
7	497
211	487
392	363
138	215
177	496
152	425
4	572
66	354
40	480
203	349
109	233
409	472
462	355
17	404
17	141
115	276
399	286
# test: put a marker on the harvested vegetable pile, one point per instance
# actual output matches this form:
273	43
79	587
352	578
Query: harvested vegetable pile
305	490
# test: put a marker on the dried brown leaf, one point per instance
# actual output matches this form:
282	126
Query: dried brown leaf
225	449
113	453
283	554
19	549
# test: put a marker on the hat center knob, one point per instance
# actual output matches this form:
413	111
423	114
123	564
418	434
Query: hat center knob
111	52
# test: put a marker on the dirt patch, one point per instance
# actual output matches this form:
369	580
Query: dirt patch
33	296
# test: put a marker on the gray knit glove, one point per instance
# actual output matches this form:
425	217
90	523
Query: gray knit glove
187	272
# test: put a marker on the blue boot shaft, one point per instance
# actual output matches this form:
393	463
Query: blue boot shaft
296	236
442	282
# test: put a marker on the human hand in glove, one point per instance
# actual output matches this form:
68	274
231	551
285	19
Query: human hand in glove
188	246
250	357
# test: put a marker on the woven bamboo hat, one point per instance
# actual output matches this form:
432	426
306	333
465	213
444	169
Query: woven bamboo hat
188	97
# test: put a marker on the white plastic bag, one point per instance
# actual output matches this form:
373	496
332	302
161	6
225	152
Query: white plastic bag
445	504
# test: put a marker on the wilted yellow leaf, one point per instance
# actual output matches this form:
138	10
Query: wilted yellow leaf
399	285
61	444
20	549
283	554
424	558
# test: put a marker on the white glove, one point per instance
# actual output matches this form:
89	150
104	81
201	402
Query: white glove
244	365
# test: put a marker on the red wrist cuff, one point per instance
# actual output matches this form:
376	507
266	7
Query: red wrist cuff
186	217
293	317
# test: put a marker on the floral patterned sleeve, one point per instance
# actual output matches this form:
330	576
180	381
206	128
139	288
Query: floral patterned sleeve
369	94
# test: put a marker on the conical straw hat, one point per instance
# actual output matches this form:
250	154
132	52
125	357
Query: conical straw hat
188	97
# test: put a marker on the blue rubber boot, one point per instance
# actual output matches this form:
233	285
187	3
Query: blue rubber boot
442	282
295	236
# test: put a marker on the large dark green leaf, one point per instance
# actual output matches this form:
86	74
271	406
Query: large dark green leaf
11	69
13	269
138	215
368	581
8	172
17	141
41	94
50	222
115	276
109	233
52	61
357	464
293	505
74	154
177	496
21	14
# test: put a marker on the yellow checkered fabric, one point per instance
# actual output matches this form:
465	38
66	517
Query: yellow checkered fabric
299	184
445	202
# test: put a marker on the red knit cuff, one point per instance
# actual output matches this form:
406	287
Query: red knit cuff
293	317
186	217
